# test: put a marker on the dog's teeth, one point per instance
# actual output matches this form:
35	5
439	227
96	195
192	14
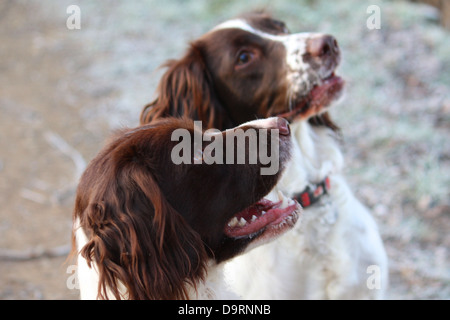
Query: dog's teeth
263	213
254	218
242	222
284	200
233	222
285	203
280	195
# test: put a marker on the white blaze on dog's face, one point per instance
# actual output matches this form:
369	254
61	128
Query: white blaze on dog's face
289	75
295	45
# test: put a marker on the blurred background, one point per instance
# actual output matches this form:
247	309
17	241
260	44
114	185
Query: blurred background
63	91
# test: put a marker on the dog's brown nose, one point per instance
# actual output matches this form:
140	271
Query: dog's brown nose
283	126
322	46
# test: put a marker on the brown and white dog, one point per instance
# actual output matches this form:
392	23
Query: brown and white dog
147	228
253	67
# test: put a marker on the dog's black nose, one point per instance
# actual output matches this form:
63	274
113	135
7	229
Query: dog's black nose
322	46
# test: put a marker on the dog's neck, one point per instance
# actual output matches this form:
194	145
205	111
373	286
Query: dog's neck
214	286
315	155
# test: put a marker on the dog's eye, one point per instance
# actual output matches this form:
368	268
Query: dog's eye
243	58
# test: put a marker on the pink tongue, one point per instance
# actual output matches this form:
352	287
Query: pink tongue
247	214
256	209
273	215
320	95
326	90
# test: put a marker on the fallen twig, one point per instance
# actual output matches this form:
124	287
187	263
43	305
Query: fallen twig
59	143
34	253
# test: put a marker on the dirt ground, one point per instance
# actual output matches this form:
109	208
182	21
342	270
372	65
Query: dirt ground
62	92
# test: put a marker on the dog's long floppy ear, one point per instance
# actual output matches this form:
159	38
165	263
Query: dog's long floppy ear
324	119
186	89
141	247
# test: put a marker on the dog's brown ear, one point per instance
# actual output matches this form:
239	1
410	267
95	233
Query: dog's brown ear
186	89
324	119
141	247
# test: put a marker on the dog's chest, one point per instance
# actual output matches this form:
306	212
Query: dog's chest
315	157
314	232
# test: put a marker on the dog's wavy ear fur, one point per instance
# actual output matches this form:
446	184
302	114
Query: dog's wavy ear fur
186	89
137	241
324	119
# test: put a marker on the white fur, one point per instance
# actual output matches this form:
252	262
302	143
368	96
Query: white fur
299	75
327	254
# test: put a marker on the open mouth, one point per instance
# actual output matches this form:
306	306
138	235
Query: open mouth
327	91
264	215
319	97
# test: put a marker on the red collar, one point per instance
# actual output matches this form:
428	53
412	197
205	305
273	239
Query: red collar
313	193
